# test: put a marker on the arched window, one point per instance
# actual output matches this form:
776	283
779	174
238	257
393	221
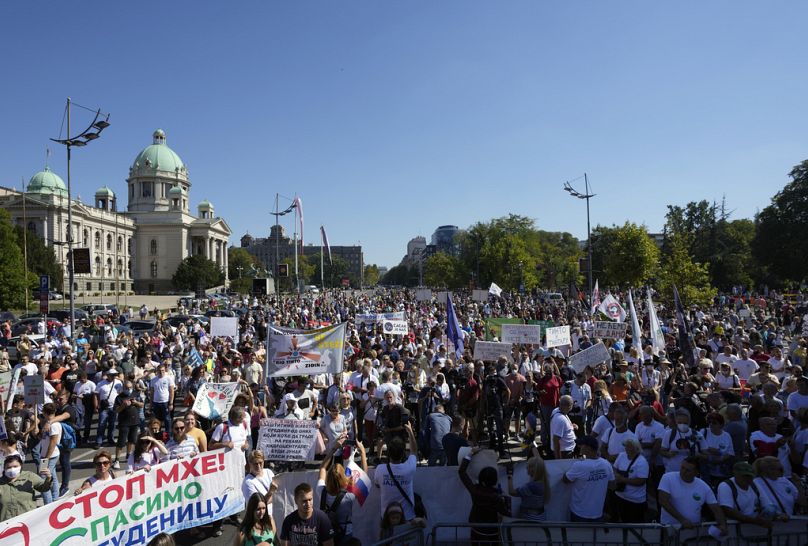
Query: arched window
154	269
109	242
153	247
97	240
120	267
119	244
85	238
97	265
129	246
109	267
130	269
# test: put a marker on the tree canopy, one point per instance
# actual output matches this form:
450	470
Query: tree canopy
197	273
12	269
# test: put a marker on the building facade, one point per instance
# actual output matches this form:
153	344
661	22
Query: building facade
137	250
264	248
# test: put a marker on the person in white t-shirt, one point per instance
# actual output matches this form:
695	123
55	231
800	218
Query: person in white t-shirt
649	433
162	389
740	498
682	494
745	366
680	442
798	399
591	478
726	356
613	441
719	451
258	479
233	434
402	468
631	473
778	494
562	430
726	379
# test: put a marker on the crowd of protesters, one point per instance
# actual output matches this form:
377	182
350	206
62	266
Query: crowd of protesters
723	420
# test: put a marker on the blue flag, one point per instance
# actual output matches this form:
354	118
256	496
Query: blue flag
453	331
195	358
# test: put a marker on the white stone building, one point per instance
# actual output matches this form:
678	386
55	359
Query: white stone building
136	250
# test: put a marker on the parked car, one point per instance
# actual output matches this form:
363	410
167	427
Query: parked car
52	295
64	314
138	327
7	315
21	326
104	309
11	345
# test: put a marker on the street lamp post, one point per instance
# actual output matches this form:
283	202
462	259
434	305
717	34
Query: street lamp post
88	135
586	195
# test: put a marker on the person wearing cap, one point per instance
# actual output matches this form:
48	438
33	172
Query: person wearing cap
288	408
740	498
590	478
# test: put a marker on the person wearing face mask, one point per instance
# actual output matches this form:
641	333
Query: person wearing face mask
727	380
681	442
18	488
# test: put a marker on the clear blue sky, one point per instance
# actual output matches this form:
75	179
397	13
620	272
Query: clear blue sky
390	118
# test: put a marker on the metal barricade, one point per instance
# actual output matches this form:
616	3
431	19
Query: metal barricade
791	533
524	533
413	537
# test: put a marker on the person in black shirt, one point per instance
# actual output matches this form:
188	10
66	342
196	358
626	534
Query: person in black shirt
453	441
71	376
66	414
306	526
496	395
127	409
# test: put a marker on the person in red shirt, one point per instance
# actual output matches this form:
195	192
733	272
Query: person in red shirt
549	387
759	355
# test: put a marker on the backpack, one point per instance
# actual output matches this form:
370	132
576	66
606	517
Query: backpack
68	440
331	512
734	490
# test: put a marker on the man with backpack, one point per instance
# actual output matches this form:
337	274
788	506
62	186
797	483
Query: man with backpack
66	414
739	497
497	396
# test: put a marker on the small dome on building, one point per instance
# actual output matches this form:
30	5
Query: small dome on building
104	191
205	204
47	182
176	191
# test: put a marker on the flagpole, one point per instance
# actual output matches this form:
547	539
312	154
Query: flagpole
322	273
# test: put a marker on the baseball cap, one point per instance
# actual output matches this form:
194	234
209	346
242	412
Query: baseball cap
743	468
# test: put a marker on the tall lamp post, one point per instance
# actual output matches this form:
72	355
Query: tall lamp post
92	132
586	195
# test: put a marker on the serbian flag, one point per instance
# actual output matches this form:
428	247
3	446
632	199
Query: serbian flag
359	482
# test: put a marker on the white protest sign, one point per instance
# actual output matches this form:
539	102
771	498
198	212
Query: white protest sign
480	295
609	330
395	327
423	294
224	327
287	439
370	319
314	352
34	389
521	333
491	350
133	508
443	296
214	400
589	357
558	336
12	386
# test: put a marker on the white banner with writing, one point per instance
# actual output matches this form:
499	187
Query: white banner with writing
395	327
288	439
214	400
490	351
590	357
558	336
224	327
315	352
609	330
521	333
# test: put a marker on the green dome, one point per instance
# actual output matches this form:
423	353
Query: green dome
205	204
176	190
104	191
47	182
158	157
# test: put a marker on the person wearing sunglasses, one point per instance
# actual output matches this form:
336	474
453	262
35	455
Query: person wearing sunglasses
103	471
181	446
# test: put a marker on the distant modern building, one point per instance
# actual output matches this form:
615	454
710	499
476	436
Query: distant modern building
445	240
415	251
138	250
264	248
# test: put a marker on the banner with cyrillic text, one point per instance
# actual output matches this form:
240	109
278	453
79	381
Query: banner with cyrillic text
490	351
395	327
609	330
287	439
214	400
590	357
175	495
558	336
315	352
521	333
370	319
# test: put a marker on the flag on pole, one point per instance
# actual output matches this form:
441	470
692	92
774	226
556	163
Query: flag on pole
494	289
595	298
657	339
325	243
298	203
453	331
636	332
683	325
194	358
612	308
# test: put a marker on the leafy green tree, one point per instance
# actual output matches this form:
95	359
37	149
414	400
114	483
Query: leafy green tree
691	278
371	275
197	273
12	266
333	271
41	260
241	269
444	271
733	263
628	256
401	275
781	235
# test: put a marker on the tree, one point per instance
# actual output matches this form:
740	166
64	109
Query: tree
627	255
781	234
12	266
691	278
444	271
371	275
241	269
733	264
333	270
305	271
41	260
197	273
401	275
